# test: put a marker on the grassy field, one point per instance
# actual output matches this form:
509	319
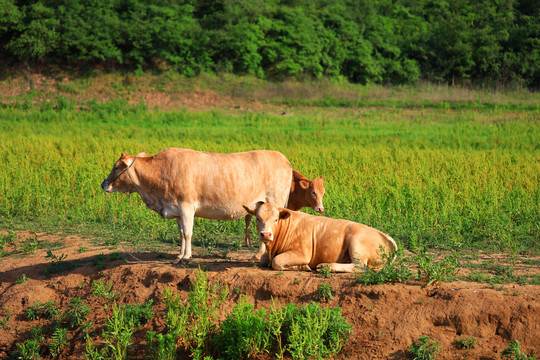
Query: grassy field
448	176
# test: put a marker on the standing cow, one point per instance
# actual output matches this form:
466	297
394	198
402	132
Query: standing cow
304	192
183	184
298	241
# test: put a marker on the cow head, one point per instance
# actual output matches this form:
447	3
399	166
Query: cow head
268	216
314	191
119	179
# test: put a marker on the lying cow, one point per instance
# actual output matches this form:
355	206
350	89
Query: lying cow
304	193
183	184
298	241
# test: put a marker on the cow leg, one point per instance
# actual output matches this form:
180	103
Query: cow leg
185	226
338	267
290	261
260	255
248	221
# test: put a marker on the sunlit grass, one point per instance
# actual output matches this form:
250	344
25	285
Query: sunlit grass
451	179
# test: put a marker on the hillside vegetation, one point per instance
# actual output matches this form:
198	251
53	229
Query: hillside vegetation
367	41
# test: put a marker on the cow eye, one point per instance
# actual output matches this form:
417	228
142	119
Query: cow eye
314	193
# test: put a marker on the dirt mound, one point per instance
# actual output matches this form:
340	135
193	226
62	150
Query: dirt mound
386	319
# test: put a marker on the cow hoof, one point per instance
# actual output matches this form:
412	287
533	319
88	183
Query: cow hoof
181	261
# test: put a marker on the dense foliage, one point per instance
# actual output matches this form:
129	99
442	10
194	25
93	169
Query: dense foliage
365	41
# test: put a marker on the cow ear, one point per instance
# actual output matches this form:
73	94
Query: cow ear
304	184
321	178
250	210
284	214
142	154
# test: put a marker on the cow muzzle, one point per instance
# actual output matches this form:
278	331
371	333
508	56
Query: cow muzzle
266	236
106	186
318	209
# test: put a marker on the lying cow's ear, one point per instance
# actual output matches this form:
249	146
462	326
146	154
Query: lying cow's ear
250	211
284	214
322	178
142	154
304	184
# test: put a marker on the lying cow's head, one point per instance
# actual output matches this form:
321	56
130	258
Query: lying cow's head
118	179
314	191
268	216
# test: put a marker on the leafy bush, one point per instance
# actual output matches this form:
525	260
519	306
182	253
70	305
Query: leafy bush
59	341
243	334
324	292
424	349
41	310
466	343
139	314
314	332
76	313
395	269
161	347
513	352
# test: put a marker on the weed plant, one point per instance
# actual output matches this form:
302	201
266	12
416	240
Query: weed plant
160	346
466	343
244	333
58	341
324	292
28	350
325	272
41	310
312	332
433	271
21	279
396	268
105	291
140	313
76	313
4	320
513	352
424	349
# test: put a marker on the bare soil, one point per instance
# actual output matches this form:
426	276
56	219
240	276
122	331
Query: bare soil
386	319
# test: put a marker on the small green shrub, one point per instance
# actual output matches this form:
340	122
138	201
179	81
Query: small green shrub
312	332
59	341
513	352
324	292
76	313
4	320
161	347
21	279
395	269
325	272
243	334
424	349
41	310
117	338
466	343
140	313
28	351
434	271
105	291
30	245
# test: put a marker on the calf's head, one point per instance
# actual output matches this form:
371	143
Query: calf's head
268	216
119	179
314	191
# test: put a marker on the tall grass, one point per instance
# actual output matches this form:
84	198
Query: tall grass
451	179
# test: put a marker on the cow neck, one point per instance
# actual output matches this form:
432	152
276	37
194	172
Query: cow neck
145	177
281	240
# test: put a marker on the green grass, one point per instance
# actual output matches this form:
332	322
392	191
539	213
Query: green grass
452	179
